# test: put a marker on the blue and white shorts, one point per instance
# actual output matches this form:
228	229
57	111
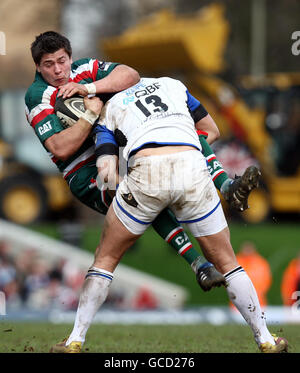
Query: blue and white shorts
180	181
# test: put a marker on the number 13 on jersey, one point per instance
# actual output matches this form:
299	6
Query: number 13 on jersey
152	103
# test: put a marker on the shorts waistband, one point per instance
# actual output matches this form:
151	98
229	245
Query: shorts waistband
147	146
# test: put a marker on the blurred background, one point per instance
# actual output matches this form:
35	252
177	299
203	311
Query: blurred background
241	60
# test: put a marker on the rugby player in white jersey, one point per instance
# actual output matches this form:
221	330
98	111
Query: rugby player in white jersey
166	168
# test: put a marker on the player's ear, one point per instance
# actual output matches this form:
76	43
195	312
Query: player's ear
38	68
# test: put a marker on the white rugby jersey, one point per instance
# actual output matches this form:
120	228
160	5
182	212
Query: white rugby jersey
155	110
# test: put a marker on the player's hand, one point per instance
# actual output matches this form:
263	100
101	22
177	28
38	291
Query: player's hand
94	104
71	89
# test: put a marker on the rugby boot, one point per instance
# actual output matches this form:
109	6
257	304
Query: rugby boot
208	277
281	345
239	190
72	348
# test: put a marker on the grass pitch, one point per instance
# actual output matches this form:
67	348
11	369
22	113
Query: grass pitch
17	337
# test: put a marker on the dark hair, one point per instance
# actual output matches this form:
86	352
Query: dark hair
49	42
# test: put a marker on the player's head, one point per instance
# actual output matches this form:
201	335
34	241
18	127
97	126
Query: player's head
52	54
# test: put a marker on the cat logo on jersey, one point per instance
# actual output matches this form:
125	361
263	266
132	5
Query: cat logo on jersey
45	128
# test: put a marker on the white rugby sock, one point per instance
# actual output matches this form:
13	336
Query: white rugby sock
93	295
243	295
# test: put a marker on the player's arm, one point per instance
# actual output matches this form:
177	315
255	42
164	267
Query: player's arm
66	142
203	121
108	173
208	132
208	127
107	154
118	79
121	77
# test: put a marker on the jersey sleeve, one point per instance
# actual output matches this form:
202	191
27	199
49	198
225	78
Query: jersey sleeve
105	142
197	110
104	69
91	69
100	70
40	113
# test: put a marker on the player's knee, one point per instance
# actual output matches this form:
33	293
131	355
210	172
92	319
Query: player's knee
108	263
226	264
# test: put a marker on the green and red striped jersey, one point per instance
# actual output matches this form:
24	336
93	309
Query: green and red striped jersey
40	100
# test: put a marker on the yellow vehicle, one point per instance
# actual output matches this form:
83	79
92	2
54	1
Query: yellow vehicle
31	188
26	195
257	122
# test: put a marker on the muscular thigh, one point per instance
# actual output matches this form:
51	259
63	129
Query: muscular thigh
115	240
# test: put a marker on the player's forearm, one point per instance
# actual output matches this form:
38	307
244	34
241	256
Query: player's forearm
122	77
107	166
65	143
208	125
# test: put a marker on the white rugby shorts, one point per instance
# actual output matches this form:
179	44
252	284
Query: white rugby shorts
180	181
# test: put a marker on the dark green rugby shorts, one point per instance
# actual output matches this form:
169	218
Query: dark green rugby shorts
82	184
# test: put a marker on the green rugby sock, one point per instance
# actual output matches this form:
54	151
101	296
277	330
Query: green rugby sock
172	232
219	176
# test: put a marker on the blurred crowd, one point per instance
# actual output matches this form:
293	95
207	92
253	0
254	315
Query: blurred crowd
30	282
27	280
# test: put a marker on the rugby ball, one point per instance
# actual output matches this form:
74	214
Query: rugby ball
69	110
